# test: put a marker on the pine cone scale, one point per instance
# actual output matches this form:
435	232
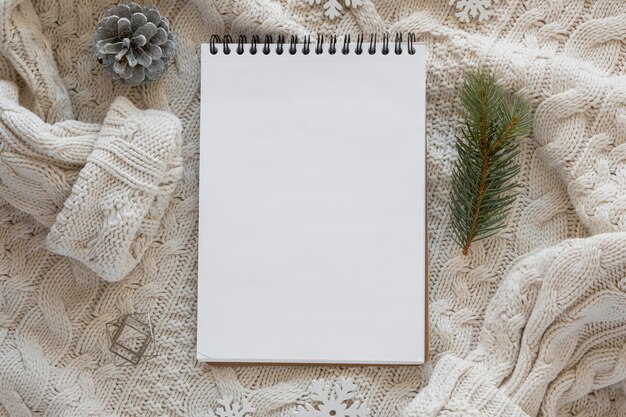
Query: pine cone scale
121	10
130	58
156	67
137	76
122	70
148	31
113	48
139	40
160	37
153	50
124	29
137	20
168	49
142	58
105	33
153	16
134	43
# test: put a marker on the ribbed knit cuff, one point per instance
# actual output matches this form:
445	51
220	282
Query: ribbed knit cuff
460	387
118	201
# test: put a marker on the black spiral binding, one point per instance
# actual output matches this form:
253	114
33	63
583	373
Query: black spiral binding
265	47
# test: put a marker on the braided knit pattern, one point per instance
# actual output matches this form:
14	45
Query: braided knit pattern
116	205
531	322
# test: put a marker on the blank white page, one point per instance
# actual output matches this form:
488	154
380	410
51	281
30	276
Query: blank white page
312	245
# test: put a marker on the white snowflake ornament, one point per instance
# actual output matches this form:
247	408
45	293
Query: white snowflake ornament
232	409
333	401
473	8
332	8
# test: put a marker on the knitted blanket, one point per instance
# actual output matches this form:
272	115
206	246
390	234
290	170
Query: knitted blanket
531	322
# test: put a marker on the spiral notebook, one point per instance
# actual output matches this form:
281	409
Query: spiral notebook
312	233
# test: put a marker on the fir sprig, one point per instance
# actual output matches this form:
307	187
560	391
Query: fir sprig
483	177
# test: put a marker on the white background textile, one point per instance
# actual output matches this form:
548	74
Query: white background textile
567	57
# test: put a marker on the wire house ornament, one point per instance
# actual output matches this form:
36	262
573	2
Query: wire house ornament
131	339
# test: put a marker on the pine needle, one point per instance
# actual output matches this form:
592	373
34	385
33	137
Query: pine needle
484	176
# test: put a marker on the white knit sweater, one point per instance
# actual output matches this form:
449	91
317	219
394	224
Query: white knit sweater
532	322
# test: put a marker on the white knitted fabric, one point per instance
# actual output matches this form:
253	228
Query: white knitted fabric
120	196
123	175
532	322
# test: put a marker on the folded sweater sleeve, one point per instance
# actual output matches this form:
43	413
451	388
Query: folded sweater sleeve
102	190
115	208
551	333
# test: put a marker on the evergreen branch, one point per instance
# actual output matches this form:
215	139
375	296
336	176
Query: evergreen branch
483	177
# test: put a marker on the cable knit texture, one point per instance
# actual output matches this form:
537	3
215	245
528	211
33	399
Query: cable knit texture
116	205
123	174
531	322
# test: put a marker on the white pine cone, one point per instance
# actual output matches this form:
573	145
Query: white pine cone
134	43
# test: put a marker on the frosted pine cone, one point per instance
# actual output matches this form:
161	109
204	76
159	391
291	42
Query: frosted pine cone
134	43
